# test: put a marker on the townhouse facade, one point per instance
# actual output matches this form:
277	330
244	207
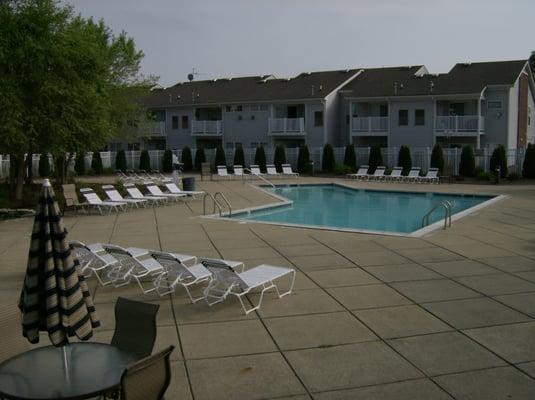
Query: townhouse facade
483	104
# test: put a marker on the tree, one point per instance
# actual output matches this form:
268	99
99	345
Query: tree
404	159
60	80
260	158
96	163
328	163
279	157
467	166
239	157
120	161
79	163
167	162
375	159
303	159
350	158
44	166
220	158
200	158
498	159
187	160
437	158
528	167
144	161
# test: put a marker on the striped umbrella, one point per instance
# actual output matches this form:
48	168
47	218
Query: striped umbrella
55	297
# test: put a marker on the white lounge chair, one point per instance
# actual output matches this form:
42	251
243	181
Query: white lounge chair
255	170
238	171
222	172
362	173
378	174
135	193
225	281
431	176
115	196
413	176
272	171
156	191
94	201
395	175
287	171
93	258
173	188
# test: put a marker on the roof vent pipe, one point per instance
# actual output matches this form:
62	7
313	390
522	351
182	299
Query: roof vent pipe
431	86
312	91
395	88
170	98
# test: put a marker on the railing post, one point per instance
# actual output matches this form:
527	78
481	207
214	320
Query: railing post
284	124
369	124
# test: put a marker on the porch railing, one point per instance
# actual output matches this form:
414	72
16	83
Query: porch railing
206	128
369	124
291	126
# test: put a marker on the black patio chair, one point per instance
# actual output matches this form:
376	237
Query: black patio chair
135	327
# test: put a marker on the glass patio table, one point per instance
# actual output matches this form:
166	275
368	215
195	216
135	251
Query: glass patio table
82	371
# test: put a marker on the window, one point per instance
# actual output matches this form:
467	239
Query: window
494	104
318	118
238	108
403	117
185	122
254	107
419	117
262	107
174	122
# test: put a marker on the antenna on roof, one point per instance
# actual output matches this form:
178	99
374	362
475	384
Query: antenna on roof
193	74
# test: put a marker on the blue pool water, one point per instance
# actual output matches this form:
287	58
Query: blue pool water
340	207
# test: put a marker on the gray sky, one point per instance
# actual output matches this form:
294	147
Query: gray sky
224	38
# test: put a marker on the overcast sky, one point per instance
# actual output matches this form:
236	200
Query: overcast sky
224	38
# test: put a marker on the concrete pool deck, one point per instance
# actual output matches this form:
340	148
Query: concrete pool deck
448	315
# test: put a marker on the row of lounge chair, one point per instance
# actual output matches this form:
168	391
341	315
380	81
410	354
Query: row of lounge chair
396	175
161	272
116	202
142	177
254	170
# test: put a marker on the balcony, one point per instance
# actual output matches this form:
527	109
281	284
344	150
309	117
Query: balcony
369	126
152	128
206	128
459	125
286	126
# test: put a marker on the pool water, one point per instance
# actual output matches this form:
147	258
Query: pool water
340	207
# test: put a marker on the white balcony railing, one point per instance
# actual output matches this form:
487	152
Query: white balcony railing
152	128
206	128
286	126
459	123
369	124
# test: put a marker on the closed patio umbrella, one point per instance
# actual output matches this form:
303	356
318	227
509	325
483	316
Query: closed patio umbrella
55	297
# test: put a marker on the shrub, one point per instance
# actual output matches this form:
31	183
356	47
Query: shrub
513	176
528	167
404	159
120	161
187	160
350	158
483	176
79	163
437	158
467	167
260	158
239	156
144	161
375	159
44	166
328	163
220	158
167	162
499	159
96	163
279	157
200	158
303	159
341	169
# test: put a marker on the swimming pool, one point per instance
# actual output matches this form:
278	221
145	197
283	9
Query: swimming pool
340	207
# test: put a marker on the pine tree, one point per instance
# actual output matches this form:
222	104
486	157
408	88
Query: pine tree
220	158
528	168
375	159
328	163
120	161
350	158
44	166
404	159
468	162
200	158
187	160
260	158
303	160
96	163
79	163
499	159
239	156
279	157
437	158
167	161
144	161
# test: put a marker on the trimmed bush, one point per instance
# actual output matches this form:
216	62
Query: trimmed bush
79	163
96	163
220	158
499	159
350	158
260	158
120	161
341	169
404	159
187	160
437	158
279	157
528	168
375	159
303	160
167	162
144	161
44	166
239	156
200	157
467	167
328	163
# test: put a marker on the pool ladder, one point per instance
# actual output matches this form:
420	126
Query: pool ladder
447	213
216	203
259	177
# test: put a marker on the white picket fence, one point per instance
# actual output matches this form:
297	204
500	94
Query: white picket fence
421	157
